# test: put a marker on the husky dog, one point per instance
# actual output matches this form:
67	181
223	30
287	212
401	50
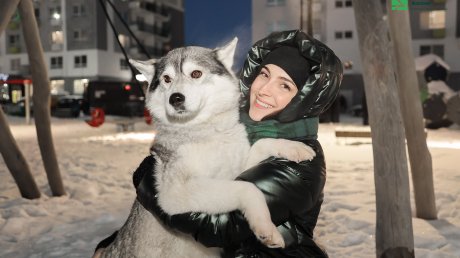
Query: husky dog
200	147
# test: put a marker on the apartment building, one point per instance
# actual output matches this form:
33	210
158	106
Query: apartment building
435	26
79	44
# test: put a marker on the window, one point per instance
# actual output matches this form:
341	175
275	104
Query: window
433	20
58	87
79	86
56	62
123	64
124	40
80	61
276	26
276	2
435	49
79	35
14	39
15	64
348	34
37	13
55	12
57	37
78	10
341	3
338	34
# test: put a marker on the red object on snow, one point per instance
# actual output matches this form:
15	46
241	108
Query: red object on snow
147	117
97	117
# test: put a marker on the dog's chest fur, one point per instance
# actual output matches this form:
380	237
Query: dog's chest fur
211	156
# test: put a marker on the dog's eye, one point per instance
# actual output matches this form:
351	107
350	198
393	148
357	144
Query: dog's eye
196	74
166	78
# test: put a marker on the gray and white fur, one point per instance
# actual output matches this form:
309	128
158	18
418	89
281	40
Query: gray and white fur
200	148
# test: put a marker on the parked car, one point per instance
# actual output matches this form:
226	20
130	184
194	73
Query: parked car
18	108
115	98
68	106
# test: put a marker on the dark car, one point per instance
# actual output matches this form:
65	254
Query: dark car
68	106
18	108
115	98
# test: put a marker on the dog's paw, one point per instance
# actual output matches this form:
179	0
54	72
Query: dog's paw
294	151
273	240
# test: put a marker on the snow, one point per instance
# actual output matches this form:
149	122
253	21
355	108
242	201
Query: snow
97	164
422	62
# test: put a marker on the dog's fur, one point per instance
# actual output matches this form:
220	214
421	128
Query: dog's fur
200	147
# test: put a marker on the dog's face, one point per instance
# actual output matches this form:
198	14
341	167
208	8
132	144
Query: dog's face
190	85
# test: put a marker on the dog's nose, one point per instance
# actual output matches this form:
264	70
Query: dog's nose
176	99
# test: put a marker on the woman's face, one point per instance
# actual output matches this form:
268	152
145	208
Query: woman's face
270	92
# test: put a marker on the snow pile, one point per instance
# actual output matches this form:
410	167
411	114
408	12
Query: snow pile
97	164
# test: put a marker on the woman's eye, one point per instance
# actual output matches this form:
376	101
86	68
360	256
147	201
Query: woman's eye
196	74
166	78
264	74
286	87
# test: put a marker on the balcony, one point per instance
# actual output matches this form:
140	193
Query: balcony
55	22
438	33
56	47
14	50
13	25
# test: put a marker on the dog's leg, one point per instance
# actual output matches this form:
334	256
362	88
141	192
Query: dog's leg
267	147
218	196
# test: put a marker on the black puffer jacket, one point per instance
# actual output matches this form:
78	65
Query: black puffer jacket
294	194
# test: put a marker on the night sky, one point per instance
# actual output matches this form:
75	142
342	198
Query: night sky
212	23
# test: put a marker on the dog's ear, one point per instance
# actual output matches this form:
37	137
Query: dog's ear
147	68
226	53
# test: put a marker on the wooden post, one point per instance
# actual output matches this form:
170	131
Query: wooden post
411	108
41	96
9	150
394	237
16	162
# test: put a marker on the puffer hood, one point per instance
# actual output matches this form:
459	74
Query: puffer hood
321	87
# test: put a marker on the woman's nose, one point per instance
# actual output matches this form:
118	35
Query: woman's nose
265	89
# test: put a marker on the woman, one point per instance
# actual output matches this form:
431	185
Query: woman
287	81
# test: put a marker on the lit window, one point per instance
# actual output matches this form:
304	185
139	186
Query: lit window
57	37
55	12
433	20
124	40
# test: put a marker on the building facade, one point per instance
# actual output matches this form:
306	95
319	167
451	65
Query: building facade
435	26
79	44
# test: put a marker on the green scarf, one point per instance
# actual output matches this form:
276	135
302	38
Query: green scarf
306	128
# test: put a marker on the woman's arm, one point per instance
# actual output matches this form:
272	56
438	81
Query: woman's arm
289	188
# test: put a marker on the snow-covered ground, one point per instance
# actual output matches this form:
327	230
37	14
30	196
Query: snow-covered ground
96	166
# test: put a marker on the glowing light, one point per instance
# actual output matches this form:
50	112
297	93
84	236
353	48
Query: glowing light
141	78
127	87
56	16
